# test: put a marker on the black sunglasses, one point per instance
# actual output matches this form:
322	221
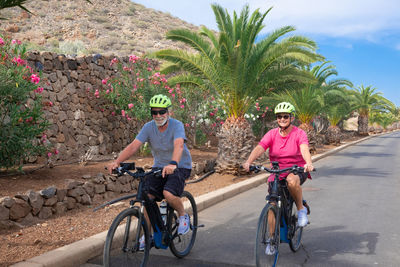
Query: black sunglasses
282	116
161	112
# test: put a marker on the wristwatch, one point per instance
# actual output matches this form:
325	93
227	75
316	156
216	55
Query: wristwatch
173	162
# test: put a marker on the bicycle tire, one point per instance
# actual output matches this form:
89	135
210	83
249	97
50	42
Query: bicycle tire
264	236
181	245
123	230
295	231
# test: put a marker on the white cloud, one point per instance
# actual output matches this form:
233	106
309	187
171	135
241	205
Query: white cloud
362	19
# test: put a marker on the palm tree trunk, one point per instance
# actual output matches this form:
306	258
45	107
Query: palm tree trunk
235	142
363	124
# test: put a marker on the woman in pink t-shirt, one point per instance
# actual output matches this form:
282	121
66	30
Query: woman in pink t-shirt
287	145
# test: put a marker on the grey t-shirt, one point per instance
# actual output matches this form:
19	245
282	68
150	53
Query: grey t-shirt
162	143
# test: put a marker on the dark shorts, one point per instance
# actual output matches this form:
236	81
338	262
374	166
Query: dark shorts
173	183
303	177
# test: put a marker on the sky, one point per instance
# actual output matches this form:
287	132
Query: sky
360	37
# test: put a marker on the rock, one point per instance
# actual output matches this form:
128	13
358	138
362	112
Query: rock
86	200
61	193
7	202
27	220
60	208
19	210
4	213
89	188
45	213
99	188
86	176
51	201
71	203
48	192
71	184
79	191
100	178
23	197
36	201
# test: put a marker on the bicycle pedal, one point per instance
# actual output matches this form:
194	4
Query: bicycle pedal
201	225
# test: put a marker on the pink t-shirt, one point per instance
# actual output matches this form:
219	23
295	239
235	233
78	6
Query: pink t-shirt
285	150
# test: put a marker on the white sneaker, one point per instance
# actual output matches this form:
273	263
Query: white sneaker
270	249
302	217
142	244
184	224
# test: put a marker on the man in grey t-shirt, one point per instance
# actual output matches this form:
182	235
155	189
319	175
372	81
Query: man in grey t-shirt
166	137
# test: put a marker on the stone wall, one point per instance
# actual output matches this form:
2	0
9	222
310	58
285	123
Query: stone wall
28	208
76	117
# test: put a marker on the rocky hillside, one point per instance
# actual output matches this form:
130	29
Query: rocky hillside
119	27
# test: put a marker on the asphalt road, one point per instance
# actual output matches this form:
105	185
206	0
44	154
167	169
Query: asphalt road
355	210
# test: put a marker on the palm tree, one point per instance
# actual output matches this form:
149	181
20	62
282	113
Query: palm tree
238	70
366	100
315	98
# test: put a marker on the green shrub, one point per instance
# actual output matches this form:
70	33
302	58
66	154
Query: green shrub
22	122
76	47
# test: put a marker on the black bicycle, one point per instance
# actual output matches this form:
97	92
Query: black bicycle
278	220
122	246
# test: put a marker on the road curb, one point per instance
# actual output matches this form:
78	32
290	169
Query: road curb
79	252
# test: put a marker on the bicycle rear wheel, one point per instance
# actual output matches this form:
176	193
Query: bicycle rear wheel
268	235
122	242
181	245
295	232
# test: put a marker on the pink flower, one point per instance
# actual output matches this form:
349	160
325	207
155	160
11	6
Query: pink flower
113	113
222	122
96	93
123	113
39	90
108	91
186	124
182	106
149	69
15	41
212	114
170	91
266	108
257	104
214	124
104	81
113	61
130	105
56	152
183	100
258	108
35	79
50	103
18	60
49	154
133	58
102	109
129	118
1	41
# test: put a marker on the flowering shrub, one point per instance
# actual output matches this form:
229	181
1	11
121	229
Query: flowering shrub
131	89
259	115
22	124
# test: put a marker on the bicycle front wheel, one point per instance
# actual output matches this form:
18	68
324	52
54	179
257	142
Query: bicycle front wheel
181	245
122	242
295	231
268	238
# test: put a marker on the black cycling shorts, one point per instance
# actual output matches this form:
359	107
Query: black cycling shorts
302	175
173	183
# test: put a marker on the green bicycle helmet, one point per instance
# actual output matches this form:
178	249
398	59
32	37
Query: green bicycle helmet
285	107
160	101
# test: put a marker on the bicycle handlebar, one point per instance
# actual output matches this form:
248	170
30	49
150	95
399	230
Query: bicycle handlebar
294	169
126	167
